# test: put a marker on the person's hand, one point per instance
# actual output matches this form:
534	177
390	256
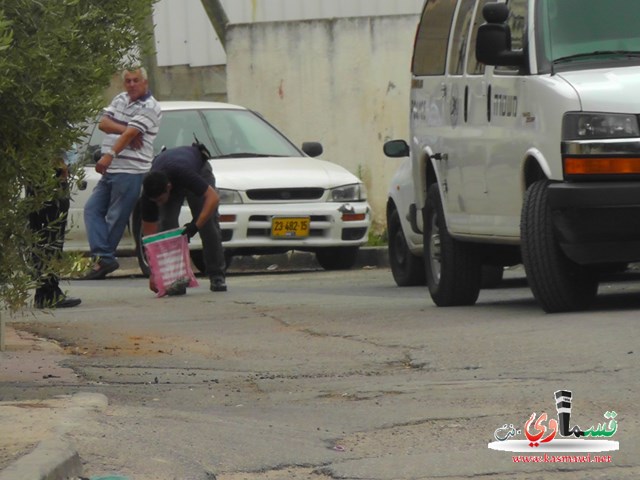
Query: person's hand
103	164
137	142
190	229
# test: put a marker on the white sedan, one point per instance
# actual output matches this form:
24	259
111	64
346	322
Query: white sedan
274	196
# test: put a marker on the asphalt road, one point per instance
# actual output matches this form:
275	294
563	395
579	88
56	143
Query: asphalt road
320	375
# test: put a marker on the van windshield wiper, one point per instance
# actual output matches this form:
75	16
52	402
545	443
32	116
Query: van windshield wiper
597	53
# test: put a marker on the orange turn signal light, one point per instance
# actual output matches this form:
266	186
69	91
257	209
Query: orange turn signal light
601	166
227	218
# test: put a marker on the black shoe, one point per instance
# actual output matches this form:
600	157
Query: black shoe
59	302
101	269
218	285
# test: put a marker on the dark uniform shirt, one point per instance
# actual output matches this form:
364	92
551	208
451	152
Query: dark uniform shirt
182	165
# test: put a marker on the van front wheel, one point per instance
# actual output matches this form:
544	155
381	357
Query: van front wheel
452	267
558	284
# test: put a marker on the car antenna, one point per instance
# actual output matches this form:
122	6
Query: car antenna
203	149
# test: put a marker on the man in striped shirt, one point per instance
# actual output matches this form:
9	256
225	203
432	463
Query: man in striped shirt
131	124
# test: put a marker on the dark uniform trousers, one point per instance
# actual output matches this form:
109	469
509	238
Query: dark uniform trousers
210	233
49	223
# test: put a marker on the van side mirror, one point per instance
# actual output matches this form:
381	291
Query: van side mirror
396	149
493	45
313	149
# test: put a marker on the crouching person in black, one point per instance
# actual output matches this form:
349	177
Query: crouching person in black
177	173
49	224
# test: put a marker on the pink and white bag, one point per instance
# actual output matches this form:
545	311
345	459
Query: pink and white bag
168	256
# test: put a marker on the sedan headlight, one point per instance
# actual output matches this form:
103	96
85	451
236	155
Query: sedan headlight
229	196
355	192
594	126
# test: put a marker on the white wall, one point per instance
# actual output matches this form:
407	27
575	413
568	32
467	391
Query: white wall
184	35
343	82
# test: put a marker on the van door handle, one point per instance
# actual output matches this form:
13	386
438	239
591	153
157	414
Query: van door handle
489	104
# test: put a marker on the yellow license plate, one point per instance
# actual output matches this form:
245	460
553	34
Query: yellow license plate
290	227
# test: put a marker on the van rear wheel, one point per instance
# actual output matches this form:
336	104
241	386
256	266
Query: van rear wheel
558	284
452	267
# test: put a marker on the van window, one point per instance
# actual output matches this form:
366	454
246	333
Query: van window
432	38
473	66
460	35
517	23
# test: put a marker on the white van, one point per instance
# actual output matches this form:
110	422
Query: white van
525	144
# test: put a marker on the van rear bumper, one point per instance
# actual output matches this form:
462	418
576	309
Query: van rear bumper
597	222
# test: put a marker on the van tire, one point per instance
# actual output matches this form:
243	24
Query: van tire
407	269
558	284
452	267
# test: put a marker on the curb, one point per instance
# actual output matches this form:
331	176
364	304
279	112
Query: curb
54	458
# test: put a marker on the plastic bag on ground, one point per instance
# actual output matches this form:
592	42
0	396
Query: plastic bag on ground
169	261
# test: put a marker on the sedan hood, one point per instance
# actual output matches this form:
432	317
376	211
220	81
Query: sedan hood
607	89
274	172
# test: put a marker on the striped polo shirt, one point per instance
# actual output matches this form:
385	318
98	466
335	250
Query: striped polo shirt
144	114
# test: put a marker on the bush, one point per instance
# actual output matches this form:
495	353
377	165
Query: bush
56	58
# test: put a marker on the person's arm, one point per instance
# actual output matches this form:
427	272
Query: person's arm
122	142
109	125
209	207
211	201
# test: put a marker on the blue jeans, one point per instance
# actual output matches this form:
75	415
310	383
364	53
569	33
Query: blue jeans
107	212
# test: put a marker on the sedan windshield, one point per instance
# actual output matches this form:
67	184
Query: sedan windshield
226	133
588	30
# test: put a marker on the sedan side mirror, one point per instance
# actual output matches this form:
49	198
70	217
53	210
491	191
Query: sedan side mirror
313	149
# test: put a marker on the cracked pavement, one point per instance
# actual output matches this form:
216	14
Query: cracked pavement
335	375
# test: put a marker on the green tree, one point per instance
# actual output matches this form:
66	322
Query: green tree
56	59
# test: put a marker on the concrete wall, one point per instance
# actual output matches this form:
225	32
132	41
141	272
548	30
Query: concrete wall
344	82
182	82
185	36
